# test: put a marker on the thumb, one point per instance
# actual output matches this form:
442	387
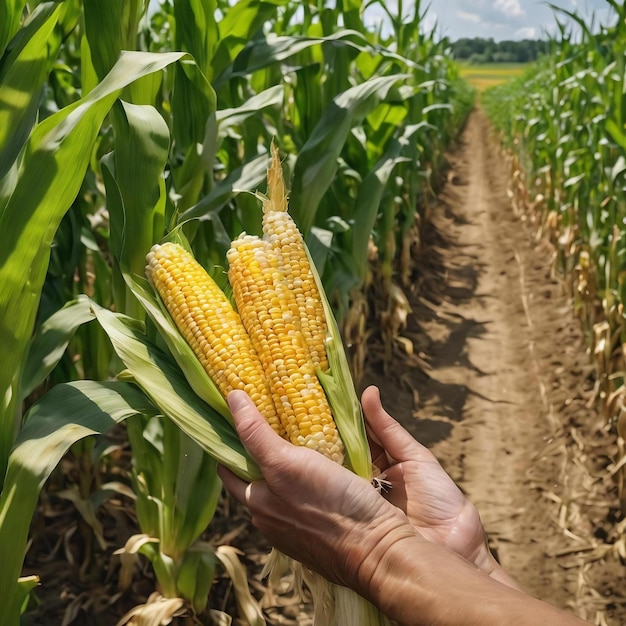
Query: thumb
386	431
255	433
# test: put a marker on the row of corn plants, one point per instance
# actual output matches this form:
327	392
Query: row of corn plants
564	122
124	123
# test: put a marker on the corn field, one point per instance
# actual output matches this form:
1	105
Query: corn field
123	123
565	125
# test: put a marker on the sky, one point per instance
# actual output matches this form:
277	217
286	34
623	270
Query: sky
502	19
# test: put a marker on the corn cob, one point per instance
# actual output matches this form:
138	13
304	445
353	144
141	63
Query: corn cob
210	325
266	305
283	234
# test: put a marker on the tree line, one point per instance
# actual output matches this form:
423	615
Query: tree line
479	50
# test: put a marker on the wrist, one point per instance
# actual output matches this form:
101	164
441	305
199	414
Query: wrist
399	585
487	563
375	559
419	583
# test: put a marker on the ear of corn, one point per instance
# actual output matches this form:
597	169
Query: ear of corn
317	320
283	345
209	324
268	309
273	347
285	238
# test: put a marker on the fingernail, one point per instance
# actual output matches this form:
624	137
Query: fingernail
238	400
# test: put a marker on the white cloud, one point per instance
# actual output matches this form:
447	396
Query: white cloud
511	8
529	32
470	17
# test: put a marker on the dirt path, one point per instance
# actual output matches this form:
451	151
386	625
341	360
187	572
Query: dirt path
499	385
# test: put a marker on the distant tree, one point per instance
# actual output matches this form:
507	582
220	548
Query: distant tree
504	57
477	59
481	50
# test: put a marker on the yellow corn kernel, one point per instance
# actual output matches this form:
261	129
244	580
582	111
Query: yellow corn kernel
265	301
210	325
283	234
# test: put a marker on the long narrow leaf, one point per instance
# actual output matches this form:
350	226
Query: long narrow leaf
370	194
248	177
22	75
316	165
10	17
50	341
63	416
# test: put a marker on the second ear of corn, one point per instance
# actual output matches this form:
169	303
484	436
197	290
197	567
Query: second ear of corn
272	346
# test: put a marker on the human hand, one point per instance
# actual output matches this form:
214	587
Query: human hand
311	508
421	488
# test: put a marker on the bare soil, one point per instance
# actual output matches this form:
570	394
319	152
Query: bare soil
500	387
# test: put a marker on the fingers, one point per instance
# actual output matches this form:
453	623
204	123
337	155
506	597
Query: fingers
385	430
234	484
254	496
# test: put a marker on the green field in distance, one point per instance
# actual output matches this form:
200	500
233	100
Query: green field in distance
490	74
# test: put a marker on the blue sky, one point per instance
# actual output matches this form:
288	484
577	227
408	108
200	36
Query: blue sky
502	19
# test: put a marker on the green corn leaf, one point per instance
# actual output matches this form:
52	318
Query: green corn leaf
241	22
195	100
618	134
50	341
177	490
197	494
110	27
22	75
197	31
316	165
66	414
25	585
248	177
371	192
227	118
136	196
10	19
196	575
260	54
136	168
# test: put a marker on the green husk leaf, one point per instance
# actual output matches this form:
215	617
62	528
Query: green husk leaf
195	374
164	383
341	394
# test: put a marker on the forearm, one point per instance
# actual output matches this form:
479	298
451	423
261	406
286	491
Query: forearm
418	583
